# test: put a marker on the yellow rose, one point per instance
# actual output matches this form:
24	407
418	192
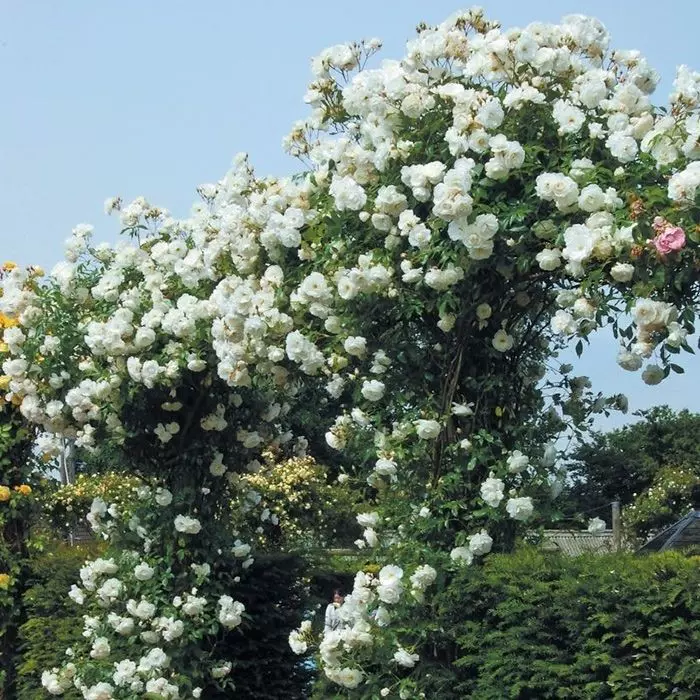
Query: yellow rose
4	493
5	581
24	489
7	321
9	265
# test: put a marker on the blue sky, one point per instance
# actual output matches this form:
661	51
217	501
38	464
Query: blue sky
130	97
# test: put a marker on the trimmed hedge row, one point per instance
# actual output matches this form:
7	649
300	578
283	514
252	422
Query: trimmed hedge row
536	626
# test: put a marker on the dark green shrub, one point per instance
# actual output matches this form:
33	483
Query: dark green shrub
264	667
531	625
52	619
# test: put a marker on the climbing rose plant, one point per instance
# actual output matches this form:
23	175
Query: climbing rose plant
464	215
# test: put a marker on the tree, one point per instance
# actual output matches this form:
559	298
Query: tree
672	494
623	463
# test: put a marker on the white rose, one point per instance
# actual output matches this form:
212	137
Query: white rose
502	341
652	374
143	572
99	691
596	525
622	272
371	537
385	467
592	198
187	525
347	193
579	240
372	389
520	508
447	323
100	648
483	311
368	519
517	462
143	609
583	308
630	361
563	322
492	491
76	594
163	497
355	345
334	441
622	147
480	543
405	659
144	337
427	429
462	555
240	549
549	259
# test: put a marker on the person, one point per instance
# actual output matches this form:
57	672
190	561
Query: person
333	621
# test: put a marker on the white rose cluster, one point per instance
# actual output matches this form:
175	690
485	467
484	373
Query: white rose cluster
128	600
364	613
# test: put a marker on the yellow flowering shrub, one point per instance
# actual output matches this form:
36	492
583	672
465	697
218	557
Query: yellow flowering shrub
67	506
294	504
665	501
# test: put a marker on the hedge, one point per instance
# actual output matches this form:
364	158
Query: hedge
533	625
52	619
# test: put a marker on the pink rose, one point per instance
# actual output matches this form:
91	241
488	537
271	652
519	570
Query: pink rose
672	238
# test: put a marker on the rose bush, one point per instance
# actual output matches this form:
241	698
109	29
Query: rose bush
465	214
66	507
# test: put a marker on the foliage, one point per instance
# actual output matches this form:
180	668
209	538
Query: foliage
65	507
669	497
51	616
264	665
624	463
294	506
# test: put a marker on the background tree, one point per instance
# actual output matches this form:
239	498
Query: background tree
624	463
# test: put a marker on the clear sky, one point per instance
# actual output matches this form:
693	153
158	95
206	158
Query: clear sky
153	98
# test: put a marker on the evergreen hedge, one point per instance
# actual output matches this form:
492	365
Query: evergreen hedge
533	625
